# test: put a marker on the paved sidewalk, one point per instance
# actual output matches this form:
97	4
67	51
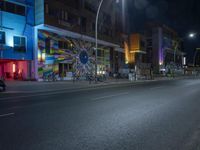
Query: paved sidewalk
33	86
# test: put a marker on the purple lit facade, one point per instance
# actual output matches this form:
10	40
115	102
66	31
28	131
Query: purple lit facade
161	42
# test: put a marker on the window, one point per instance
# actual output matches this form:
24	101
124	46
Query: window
20	10
46	8
142	44
63	45
1	5
83	23
2	37
90	7
19	44
64	15
93	26
13	8
9	7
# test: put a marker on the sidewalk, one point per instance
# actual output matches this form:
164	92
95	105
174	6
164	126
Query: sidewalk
33	86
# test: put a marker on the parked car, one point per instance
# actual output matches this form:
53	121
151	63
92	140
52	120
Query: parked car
2	85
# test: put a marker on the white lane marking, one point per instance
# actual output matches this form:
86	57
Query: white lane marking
154	88
8	114
110	96
15	92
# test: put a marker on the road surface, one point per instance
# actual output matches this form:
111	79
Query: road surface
159	115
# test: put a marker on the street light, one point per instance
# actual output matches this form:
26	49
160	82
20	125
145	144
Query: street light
96	36
191	35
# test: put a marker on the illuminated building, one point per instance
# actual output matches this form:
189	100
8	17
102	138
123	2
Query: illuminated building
162	44
16	37
135	52
64	36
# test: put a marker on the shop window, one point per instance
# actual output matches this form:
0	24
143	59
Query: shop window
19	44
2	37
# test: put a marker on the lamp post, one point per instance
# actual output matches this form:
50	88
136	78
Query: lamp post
96	35
191	35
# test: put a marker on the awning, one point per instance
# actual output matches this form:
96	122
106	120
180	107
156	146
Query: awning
74	35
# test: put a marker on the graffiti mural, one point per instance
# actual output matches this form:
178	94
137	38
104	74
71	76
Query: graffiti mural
55	52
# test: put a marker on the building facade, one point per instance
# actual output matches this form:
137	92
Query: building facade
135	50
16	38
163	48
64	38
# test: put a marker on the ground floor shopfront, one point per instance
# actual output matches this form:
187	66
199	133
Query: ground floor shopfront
15	69
65	53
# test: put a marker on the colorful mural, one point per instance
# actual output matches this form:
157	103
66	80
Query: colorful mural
62	51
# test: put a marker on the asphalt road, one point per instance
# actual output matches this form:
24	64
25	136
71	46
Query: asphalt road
161	115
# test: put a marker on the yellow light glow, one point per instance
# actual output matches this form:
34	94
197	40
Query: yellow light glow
43	56
39	56
126	52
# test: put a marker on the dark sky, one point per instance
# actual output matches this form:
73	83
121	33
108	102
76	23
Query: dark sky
182	15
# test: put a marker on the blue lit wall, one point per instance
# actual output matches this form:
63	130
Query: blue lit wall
17	25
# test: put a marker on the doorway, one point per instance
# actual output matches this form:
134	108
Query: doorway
64	68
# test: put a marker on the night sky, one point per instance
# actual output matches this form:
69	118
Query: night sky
182	15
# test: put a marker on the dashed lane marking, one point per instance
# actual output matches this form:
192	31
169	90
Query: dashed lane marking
6	115
110	96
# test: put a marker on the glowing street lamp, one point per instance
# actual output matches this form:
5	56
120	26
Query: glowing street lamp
192	35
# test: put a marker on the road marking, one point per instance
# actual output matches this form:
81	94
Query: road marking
8	114
154	88
15	92
110	96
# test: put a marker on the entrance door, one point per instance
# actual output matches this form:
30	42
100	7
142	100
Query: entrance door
64	68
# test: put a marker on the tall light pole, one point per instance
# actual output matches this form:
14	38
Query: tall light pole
191	35
96	34
96	37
